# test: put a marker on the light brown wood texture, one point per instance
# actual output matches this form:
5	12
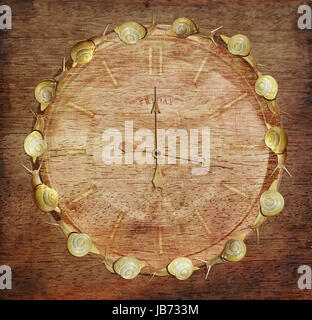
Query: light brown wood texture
36	251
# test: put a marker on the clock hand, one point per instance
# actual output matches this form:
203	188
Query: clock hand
158	178
158	154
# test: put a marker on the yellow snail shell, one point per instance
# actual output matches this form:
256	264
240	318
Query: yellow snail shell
182	28
128	267
267	87
239	45
35	145
79	244
130	32
276	139
46	198
45	93
234	250
82	52
271	203
182	268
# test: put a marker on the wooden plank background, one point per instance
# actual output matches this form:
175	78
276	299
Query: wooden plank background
42	34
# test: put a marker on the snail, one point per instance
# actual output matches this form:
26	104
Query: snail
182	28
182	268
131	32
79	244
271	203
46	198
128	267
276	139
266	86
45	91
234	251
240	45
82	52
35	145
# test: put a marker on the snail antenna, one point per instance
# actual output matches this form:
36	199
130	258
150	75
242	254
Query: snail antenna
30	171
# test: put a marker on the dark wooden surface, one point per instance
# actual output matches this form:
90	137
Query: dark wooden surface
43	32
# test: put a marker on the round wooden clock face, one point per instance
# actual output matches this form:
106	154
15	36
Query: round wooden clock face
101	136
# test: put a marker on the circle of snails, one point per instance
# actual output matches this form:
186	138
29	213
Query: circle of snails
181	262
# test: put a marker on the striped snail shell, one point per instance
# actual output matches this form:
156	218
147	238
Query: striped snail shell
35	145
130	32
271	203
182	268
267	87
182	28
234	250
46	198
82	52
128	267
239	45
276	139
45	93
79	244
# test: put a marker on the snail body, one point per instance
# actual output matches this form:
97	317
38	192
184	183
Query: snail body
128	267
45	91
276	139
79	244
271	203
131	32
35	145
182	268
234	250
182	28
239	45
266	86
46	198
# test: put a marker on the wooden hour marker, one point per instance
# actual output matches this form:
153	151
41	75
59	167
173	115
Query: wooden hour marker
236	190
110	74
220	109
199	70
84	194
116	226
203	221
160	240
151	70
87	112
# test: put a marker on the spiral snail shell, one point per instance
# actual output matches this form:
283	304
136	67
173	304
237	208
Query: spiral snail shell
276	139
267	87
271	203
82	52
46	198
35	145
234	250
128	267
182	28
239	45
45	93
182	268
131	32
79	244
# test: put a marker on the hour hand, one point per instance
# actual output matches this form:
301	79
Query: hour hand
158	178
